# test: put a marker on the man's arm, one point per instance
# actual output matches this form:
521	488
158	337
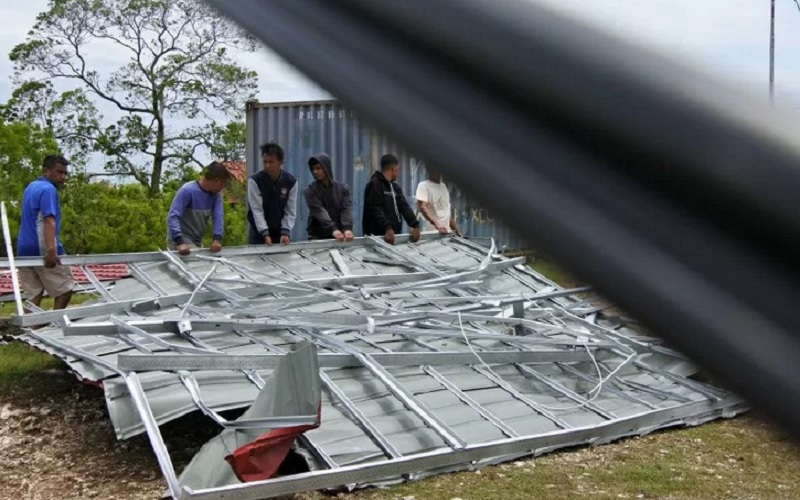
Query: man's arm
374	204
217	218
50	245
179	204
405	209
423	209
347	209
47	207
256	203
317	210
422	204
289	212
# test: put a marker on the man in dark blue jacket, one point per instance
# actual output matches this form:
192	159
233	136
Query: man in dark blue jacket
385	205
330	207
271	199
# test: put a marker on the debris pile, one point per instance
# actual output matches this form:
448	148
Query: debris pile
376	363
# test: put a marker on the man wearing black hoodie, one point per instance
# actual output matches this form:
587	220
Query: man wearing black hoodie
385	206
330	207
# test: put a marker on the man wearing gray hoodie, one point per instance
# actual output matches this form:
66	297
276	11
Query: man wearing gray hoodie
330	207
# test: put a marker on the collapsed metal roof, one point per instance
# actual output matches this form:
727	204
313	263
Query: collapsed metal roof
387	363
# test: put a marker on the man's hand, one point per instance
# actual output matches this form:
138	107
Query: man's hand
216	246
268	241
184	249
441	229
284	239
338	235
457	231
51	259
348	235
415	234
389	236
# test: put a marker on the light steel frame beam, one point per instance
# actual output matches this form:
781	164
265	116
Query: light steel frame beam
443	458
191	385
142	257
198	362
338	325
143	305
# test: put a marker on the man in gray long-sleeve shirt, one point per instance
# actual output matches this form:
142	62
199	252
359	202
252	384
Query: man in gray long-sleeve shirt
194	203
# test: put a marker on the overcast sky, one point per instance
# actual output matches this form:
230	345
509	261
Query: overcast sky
725	37
277	80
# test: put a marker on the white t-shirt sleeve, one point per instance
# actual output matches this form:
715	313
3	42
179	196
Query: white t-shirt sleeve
422	192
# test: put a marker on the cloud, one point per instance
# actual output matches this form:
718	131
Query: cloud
727	38
17	19
278	80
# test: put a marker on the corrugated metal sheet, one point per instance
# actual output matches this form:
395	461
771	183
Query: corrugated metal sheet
306	128
441	404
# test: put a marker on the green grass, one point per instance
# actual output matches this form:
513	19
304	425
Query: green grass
24	369
18	360
739	458
553	271
10	308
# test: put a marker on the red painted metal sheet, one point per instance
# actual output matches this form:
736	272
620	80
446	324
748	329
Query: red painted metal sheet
103	272
261	459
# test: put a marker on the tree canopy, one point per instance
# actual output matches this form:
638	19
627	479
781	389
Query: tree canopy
180	66
23	146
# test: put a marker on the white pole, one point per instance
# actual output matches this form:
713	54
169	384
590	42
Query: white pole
10	251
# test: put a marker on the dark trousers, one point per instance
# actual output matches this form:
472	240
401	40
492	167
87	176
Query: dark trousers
253	238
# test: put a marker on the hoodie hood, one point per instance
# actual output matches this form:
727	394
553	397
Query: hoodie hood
379	176
323	159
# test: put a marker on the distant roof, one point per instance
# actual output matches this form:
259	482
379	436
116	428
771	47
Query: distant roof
103	272
238	169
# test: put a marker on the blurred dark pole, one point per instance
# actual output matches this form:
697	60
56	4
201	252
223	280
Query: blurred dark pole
671	193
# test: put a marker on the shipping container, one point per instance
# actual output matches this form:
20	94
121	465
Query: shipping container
306	128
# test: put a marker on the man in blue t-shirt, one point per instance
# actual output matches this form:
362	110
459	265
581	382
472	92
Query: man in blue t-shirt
38	236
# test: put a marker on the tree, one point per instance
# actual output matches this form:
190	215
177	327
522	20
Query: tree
101	218
224	143
180	66
23	146
227	142
70	118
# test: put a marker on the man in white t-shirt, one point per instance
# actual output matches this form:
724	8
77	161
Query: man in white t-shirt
433	201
